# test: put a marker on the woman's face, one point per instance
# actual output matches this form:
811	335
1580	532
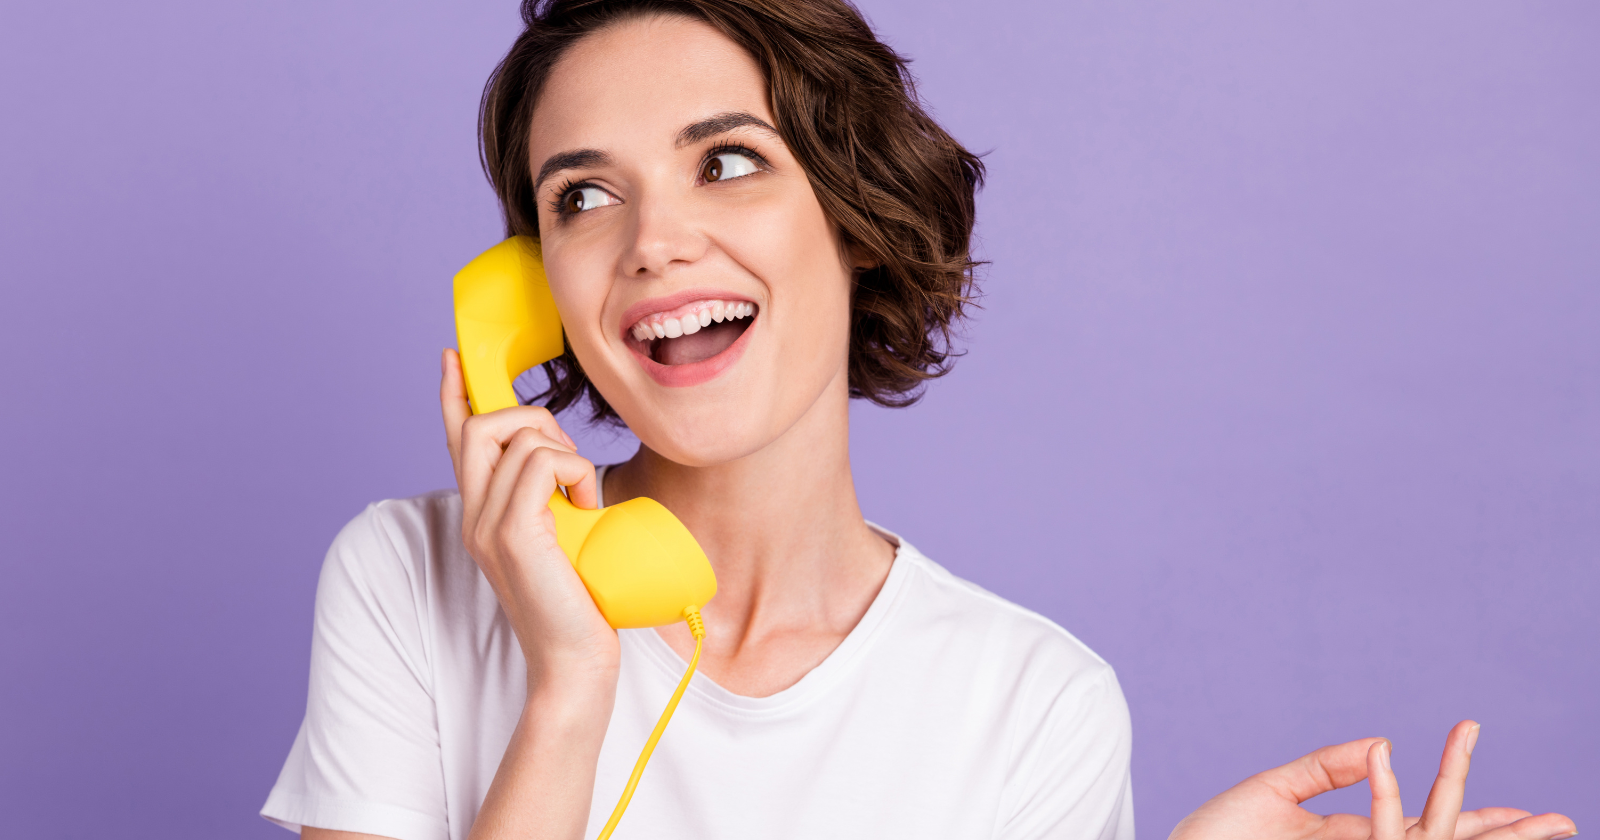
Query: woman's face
702	287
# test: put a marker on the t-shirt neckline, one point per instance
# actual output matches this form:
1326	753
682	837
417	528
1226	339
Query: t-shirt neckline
816	681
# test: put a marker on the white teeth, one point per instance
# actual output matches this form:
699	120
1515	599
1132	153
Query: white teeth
657	326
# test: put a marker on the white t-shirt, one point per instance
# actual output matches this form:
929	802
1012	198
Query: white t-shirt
947	712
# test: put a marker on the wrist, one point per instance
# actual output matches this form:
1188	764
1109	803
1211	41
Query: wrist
571	702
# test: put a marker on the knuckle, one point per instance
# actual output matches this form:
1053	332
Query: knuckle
522	439
505	533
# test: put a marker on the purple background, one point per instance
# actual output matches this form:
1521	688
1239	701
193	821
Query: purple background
1285	397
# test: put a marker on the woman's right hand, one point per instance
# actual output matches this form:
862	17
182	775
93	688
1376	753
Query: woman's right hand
508	463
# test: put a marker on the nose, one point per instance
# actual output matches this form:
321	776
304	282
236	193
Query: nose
664	237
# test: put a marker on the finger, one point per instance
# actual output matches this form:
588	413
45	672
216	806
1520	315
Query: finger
508	477
1542	827
1388	819
557	467
1329	768
1344	827
1450	787
1469	825
1473	823
535	486
585	492
453	403
484	438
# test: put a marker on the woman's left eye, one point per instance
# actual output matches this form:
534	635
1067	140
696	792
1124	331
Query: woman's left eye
580	199
727	166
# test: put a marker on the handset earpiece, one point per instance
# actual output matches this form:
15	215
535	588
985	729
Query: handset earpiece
506	321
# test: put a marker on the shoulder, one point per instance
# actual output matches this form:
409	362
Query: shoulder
396	549
1047	670
396	535
1064	735
943	597
412	524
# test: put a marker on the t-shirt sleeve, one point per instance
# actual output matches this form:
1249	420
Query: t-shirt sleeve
367	757
1070	777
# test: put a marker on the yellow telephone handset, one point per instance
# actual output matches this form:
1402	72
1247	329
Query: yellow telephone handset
640	564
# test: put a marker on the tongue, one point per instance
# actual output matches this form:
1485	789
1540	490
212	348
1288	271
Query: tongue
688	349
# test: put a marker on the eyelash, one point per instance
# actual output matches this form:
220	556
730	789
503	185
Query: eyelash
558	204
736	148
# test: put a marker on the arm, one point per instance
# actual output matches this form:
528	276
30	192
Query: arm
545	781
507	464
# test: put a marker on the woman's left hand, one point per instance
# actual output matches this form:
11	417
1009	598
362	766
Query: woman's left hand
1266	806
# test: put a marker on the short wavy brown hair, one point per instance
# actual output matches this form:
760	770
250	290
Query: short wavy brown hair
900	188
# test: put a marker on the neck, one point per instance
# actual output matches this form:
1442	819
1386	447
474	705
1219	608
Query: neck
781	526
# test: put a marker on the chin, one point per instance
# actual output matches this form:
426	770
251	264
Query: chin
706	432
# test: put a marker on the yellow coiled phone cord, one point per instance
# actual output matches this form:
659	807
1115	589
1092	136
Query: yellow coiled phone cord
697	626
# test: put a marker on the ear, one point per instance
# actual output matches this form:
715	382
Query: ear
859	258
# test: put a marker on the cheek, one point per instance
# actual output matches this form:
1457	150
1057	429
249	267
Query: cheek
580	296
794	249
815	296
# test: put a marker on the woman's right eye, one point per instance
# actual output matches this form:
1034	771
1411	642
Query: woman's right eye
580	199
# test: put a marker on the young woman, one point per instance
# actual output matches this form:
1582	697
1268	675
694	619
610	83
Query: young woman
747	220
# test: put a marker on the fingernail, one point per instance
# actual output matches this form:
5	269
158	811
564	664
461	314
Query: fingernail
1472	738
1383	754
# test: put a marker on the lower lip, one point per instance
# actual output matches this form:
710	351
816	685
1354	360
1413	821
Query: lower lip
695	373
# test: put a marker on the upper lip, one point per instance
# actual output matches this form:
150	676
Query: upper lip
666	303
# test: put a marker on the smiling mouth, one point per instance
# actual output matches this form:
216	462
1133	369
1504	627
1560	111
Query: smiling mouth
693	332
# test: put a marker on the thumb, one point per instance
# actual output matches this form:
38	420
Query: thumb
1329	768
453	403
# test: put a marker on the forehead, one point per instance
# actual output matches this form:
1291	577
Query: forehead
637	83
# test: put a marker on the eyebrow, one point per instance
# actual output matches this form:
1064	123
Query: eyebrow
575	159
721	123
692	133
